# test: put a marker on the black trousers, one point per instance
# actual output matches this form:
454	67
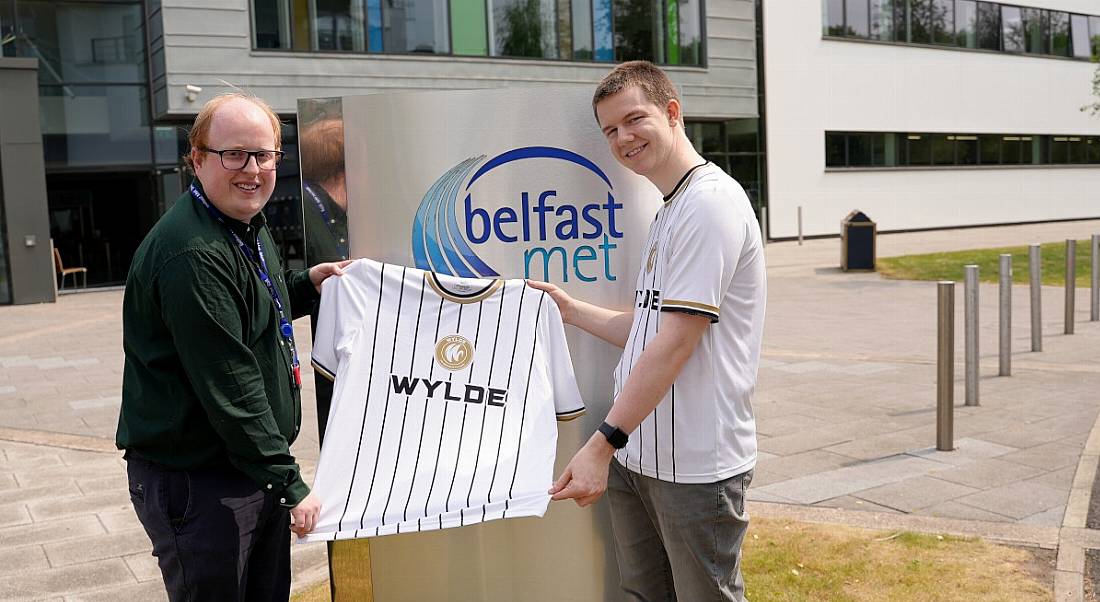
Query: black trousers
216	535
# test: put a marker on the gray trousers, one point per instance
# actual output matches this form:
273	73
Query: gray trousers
678	541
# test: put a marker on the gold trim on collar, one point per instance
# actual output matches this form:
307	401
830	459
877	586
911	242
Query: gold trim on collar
437	286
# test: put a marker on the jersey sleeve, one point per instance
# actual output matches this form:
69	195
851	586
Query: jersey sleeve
704	248
567	397
338	318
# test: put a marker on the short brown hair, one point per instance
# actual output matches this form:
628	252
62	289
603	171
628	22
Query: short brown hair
201	128
321	148
649	78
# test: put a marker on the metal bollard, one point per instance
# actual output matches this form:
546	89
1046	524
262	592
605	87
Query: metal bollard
1071	283
1035	272
1094	311
800	225
1006	316
970	319
945	367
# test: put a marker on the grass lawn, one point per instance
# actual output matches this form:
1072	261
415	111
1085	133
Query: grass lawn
949	266
789	562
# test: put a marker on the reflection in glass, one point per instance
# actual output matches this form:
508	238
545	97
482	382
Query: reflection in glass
966	149
882	20
582	29
1092	149
834	17
691	35
603	37
338	25
1079	36
95	125
82	41
524	28
966	23
943	149
989	149
857	19
1012	149
639	34
861	149
271	21
919	149
414	26
989	26
920	21
834	150
1094	30
1059	33
942	19
1012	27
1036	23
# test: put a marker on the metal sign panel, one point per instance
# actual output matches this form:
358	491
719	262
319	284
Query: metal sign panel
512	184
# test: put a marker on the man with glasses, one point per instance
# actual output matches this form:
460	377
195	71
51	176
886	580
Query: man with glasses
211	384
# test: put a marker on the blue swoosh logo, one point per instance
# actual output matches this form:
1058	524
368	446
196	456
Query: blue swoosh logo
437	241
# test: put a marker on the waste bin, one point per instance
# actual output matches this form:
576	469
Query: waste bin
857	242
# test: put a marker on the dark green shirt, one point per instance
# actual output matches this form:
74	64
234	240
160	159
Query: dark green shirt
207	377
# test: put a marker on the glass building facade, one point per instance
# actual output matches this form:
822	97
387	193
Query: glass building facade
112	168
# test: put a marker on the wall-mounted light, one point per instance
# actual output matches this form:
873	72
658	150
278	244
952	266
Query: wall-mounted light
192	92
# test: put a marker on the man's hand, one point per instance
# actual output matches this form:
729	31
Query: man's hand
585	478
321	271
567	306
303	517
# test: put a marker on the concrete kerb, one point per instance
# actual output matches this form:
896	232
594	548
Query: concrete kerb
1069	578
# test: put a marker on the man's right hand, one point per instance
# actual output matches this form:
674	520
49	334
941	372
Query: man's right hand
567	306
303	517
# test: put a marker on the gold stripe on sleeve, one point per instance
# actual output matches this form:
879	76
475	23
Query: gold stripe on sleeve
691	305
323	371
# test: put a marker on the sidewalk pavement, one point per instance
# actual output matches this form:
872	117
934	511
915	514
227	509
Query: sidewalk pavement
845	408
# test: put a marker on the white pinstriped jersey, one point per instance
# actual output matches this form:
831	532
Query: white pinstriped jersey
446	394
703	256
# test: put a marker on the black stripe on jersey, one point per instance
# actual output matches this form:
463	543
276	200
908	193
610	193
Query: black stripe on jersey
322	370
657	239
673	432
423	423
526	391
386	408
508	385
405	414
485	414
366	404
443	424
496	339
462	429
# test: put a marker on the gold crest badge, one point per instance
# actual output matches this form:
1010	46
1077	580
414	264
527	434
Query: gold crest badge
454	352
652	259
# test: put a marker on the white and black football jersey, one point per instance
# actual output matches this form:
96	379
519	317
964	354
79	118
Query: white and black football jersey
445	400
703	256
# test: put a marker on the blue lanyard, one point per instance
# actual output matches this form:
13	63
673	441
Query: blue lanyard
285	329
329	222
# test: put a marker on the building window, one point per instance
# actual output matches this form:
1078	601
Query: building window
965	24
923	149
666	32
733	146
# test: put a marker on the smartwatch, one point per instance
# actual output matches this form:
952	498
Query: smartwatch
615	436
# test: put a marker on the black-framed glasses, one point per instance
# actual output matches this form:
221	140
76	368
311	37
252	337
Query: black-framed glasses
237	159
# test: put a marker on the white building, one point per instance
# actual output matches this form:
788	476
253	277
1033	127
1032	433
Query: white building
960	113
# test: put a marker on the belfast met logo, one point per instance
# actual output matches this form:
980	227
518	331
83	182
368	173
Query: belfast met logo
556	236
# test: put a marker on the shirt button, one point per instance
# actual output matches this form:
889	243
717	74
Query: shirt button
282	500
269	485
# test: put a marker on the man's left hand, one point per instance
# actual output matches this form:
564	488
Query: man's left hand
585	478
321	271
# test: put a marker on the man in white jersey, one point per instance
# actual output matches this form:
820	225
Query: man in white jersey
681	428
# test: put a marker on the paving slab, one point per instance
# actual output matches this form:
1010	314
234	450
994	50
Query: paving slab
914	494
